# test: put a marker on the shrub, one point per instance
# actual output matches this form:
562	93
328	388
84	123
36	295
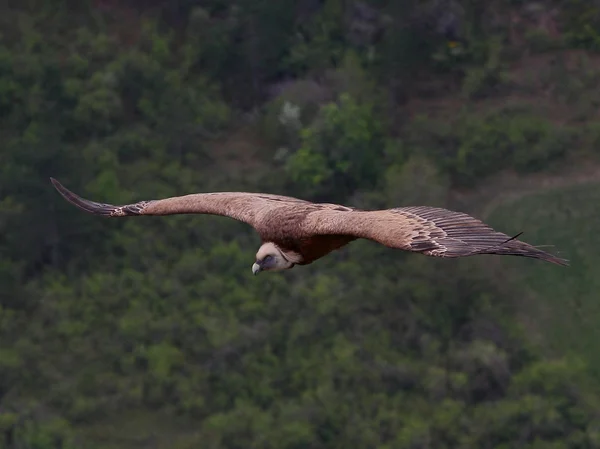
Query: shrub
340	152
475	147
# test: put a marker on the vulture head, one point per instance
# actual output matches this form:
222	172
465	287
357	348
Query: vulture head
271	258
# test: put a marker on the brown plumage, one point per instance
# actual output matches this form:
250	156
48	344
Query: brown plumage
298	232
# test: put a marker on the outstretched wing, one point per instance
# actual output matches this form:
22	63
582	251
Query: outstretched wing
243	206
428	230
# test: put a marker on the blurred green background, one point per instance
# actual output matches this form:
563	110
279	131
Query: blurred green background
153	333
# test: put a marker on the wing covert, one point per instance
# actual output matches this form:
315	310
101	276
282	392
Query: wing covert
428	230
242	206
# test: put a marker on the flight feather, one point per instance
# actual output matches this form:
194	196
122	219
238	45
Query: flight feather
311	230
432	231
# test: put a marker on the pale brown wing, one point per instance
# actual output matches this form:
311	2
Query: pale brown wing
243	206
428	230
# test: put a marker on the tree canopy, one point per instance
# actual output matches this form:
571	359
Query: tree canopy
152	332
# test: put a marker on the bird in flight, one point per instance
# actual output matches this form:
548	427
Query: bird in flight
298	232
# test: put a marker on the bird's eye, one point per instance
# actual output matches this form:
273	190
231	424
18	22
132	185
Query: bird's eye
268	258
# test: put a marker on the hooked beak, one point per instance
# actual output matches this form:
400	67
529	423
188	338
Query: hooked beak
256	269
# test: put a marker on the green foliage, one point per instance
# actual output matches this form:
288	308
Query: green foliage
299	103
540	41
28	430
119	106
153	333
342	148
565	303
301	362
241	44
481	80
477	146
321	43
581	21
285	116
417	181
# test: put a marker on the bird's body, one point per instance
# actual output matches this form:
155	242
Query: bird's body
298	232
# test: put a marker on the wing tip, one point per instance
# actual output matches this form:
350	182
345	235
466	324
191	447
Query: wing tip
83	204
519	248
57	185
555	260
546	256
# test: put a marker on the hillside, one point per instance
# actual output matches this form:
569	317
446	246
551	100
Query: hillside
152	332
564	308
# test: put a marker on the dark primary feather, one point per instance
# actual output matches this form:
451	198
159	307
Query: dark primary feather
242	206
314	230
105	210
456	234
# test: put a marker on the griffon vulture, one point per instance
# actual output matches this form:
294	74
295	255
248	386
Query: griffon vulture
298	232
